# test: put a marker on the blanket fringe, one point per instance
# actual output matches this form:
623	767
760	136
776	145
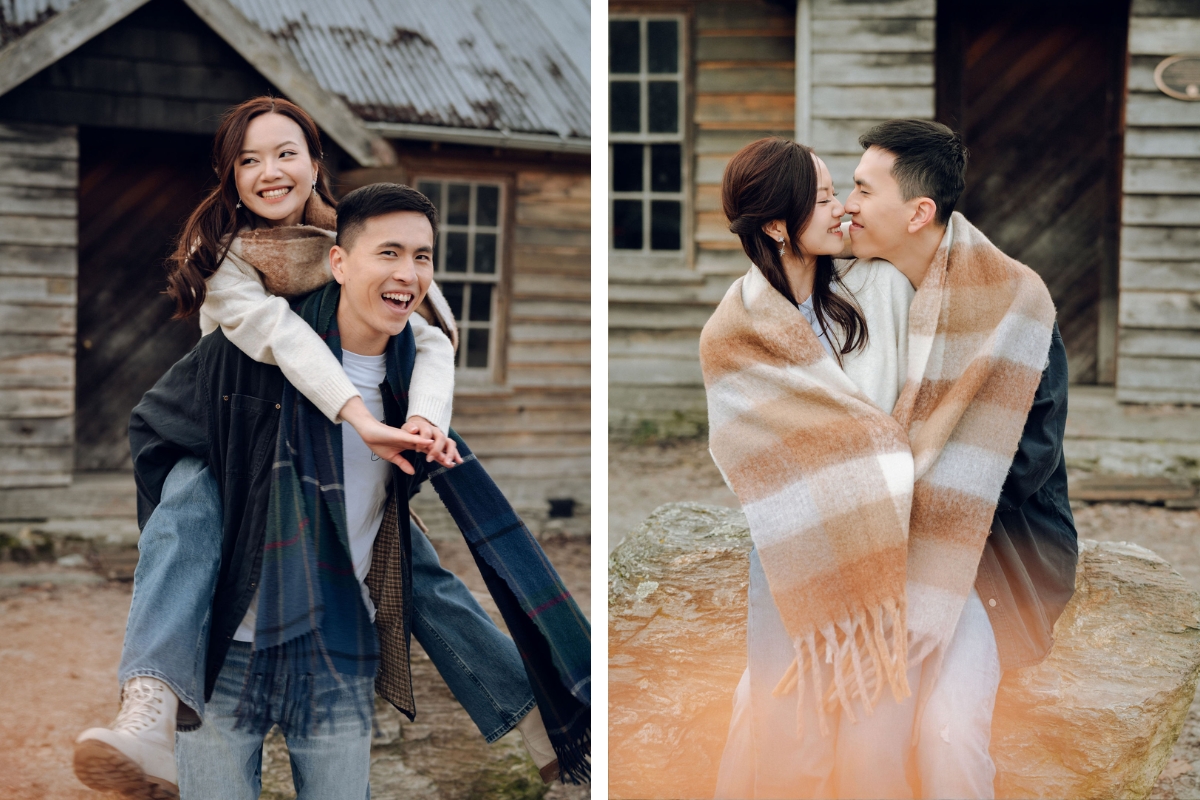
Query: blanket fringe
861	661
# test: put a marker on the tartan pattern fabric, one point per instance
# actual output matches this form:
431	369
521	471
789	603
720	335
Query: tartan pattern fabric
385	581
869	526
550	631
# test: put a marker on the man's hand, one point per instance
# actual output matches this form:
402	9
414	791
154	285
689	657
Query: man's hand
444	450
385	441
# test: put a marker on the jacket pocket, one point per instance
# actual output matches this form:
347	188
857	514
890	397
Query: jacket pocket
253	429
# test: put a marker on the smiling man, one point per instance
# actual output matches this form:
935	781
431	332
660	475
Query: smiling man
980	327
322	580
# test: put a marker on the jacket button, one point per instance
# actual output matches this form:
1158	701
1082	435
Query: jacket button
992	602
226	397
278	406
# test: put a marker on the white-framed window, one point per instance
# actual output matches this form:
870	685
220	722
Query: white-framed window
647	125
468	265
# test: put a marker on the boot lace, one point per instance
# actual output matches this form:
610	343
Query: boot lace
141	707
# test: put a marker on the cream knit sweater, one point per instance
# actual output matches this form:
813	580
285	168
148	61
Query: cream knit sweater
264	327
884	295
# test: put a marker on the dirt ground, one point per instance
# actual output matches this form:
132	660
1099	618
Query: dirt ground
60	644
643	477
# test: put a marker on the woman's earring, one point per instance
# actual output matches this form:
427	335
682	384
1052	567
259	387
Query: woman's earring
239	204
781	247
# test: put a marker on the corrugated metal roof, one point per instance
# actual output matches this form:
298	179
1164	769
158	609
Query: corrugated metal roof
501	65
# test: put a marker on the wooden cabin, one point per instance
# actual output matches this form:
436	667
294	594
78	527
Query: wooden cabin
107	111
1083	165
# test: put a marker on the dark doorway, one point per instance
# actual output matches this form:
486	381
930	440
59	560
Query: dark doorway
136	188
1037	89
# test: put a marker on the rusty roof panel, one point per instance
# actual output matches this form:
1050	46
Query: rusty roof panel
502	65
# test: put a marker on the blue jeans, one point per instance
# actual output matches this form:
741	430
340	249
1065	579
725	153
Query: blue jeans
218	761
180	552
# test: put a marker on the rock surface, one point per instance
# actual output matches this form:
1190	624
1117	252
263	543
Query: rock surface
1097	719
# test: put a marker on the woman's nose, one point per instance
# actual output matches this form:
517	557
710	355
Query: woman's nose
838	209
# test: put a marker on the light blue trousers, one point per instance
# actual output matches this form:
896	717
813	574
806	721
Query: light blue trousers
166	636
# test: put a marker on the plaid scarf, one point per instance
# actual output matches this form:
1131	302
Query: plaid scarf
312	625
869	526
551	633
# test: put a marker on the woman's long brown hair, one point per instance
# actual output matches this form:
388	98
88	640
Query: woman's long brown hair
210	229
777	179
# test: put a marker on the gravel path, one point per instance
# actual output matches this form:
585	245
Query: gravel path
641	478
59	649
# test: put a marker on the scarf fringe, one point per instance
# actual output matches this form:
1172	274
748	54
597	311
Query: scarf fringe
574	755
861	661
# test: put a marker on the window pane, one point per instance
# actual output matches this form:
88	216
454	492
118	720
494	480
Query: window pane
666	164
433	191
627	167
623	45
627	224
453	292
623	107
662	45
664	224
485	253
456	252
487	205
477	347
664	107
458	205
481	302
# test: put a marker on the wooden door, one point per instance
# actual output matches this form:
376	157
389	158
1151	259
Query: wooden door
1037	89
135	191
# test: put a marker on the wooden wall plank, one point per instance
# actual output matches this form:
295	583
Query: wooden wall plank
872	102
36	230
1162	275
54	431
23	344
36	403
827	9
707	142
1160	310
1159	109
1170	244
745	109
1164	8
36	459
1179	374
17	170
20	259
722	15
1162	209
1156	343
38	371
839	135
873	69
756	79
38	291
1162	175
529	333
551	237
555	287
745	48
39	141
1163	35
549	311
871	35
650	371
41	201
1168	142
15	318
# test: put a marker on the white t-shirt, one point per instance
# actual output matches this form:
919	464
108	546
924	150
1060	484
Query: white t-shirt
366	482
810	314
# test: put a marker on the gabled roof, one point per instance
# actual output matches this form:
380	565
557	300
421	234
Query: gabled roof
503	72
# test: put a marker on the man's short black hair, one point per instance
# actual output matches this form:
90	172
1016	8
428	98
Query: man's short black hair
931	160
376	200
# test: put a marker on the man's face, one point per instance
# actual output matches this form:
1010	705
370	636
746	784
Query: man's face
880	215
385	272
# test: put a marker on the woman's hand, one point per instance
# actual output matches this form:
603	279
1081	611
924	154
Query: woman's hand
444	450
384	440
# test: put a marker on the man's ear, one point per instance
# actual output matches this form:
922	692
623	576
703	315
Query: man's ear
337	261
924	212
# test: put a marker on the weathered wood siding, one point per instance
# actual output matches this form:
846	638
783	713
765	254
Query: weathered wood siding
743	88
1158	355
870	61
161	68
39	174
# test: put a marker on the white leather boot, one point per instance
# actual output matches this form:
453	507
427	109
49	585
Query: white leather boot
135	756
537	742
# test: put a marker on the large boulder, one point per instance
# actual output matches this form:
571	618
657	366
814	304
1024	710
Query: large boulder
1096	719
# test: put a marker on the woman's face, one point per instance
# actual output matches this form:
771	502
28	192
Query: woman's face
823	235
274	172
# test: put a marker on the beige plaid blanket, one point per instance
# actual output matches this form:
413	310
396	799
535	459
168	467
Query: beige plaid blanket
870	527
